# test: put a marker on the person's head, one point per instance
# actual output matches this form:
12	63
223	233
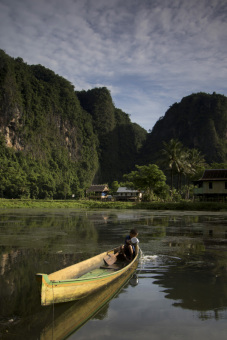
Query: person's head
133	233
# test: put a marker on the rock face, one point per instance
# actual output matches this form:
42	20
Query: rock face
9	130
198	121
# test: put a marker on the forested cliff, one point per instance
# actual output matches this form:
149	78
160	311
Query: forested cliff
120	140
55	141
199	121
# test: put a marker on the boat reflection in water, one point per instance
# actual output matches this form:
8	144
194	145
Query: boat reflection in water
82	310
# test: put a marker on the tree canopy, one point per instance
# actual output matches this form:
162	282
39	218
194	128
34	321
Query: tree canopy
147	178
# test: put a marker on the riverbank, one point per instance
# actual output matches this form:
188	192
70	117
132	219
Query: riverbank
85	204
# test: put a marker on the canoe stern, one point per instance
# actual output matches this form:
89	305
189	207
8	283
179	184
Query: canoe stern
44	285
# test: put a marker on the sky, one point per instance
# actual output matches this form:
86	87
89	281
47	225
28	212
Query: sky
148	53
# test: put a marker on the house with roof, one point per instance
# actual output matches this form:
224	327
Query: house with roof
127	194
97	192
212	186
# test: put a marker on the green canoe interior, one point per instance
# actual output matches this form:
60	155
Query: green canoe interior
94	267
103	270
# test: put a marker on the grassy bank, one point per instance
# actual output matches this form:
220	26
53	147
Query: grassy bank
59	204
183	205
84	204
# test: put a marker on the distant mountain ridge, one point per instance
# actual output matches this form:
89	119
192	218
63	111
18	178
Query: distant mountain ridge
198	121
55	141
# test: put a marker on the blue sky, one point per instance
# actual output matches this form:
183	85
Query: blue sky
148	53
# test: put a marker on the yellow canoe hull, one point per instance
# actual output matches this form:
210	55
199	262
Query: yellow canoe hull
79	280
81	311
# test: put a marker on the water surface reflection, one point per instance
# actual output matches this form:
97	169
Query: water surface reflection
182	277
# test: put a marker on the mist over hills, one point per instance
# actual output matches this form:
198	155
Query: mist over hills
55	141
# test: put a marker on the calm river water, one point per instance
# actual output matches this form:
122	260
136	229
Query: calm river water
179	290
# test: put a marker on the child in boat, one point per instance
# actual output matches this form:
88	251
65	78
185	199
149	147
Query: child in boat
129	248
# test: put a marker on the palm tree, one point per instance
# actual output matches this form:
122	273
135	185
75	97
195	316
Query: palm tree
181	160
173	157
196	161
183	165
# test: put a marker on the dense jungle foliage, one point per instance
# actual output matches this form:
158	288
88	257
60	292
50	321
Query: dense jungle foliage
51	144
120	140
199	121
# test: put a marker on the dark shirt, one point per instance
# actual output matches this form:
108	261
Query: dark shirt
128	238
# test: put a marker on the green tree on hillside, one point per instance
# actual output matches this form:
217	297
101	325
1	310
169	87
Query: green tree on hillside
147	178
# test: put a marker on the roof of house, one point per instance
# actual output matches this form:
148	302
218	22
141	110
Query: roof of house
214	175
126	190
98	188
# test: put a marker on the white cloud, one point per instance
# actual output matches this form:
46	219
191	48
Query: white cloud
148	53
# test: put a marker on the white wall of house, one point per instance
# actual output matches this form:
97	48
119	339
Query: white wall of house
128	193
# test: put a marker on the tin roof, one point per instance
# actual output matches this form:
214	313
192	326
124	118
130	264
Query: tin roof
214	175
126	190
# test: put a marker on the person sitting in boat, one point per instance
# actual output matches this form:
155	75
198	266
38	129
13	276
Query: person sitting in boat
129	248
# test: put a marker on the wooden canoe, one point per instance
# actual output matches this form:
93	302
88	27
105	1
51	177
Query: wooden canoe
75	316
81	279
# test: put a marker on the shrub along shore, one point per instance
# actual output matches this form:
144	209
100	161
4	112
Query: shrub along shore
89	204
